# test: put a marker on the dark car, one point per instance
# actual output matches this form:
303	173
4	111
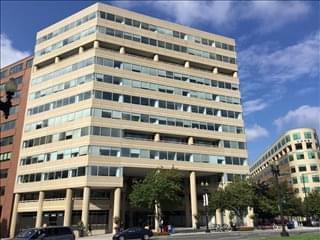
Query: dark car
47	233
290	225
133	233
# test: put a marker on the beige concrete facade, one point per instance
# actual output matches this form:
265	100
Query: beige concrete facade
298	154
91	186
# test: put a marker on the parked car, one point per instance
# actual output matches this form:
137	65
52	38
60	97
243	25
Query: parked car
47	233
133	233
290	225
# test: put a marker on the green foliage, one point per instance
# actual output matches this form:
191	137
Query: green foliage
236	197
312	204
159	186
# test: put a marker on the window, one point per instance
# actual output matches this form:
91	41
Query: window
5	156
290	157
300	156
293	170
316	178
3	173
298	146
2	190
294	180
313	167
302	168
307	135
296	136
304	179
309	145
311	155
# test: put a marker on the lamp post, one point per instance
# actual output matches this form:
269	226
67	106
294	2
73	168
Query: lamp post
276	173
10	87
305	196
206	202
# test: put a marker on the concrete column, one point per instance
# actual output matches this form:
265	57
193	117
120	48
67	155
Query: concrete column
116	207
40	210
56	59
187	64
68	208
226	216
14	215
85	206
248	217
215	70
235	74
218	216
156	58
81	50
110	220
157	137
190	141
193	196
122	50
96	44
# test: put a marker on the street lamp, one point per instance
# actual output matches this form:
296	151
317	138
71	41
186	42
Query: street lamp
10	87
276	173
206	202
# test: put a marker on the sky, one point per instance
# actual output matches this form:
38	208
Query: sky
278	52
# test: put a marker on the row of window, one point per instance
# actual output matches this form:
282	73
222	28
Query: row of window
17	80
303	168
6	141
67	27
166	45
16	68
166	104
307	189
134	84
304	155
165	89
2	190
7	125
297	136
165	31
134	100
305	179
93	150
66	41
68	173
135	68
115	132
60	103
130	116
5	156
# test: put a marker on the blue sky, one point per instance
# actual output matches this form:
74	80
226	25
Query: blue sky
278	45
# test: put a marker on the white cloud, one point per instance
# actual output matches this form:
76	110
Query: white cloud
254	106
255	132
303	116
272	67
275	14
9	54
269	14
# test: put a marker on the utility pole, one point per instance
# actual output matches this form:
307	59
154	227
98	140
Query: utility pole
276	173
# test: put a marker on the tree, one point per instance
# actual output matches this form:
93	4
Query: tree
312	204
158	190
235	197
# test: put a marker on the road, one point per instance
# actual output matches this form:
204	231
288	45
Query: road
257	234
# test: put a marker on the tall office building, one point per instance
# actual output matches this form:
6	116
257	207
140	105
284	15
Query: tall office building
10	135
115	94
298	155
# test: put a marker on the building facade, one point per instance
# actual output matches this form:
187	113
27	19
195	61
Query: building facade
10	135
113	95
298	154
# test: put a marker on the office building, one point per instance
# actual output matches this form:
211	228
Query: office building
114	94
298	156
10	135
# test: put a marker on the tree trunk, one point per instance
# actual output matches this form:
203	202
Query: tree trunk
157	215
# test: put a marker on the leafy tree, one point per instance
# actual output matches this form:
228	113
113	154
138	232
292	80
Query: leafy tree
235	197
312	204
158	190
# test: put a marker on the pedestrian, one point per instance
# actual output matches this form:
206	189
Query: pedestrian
161	225
89	230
